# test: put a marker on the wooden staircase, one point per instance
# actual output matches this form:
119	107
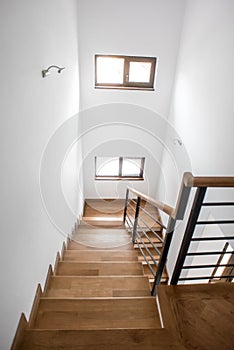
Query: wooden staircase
91	289
108	213
98	297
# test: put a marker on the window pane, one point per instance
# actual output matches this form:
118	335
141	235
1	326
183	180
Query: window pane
110	70
131	167
106	166
139	72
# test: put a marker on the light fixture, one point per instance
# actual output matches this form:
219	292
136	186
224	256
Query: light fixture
46	72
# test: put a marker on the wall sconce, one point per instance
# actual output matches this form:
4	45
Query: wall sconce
46	72
177	142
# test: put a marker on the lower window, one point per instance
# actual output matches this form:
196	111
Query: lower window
119	168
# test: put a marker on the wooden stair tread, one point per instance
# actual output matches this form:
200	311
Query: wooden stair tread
75	245
135	313
100	255
99	268
126	339
153	239
91	223
98	207
105	223
105	286
147	271
101	230
102	237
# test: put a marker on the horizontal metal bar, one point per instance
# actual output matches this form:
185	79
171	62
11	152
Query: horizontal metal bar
152	243
223	238
205	277
215	222
213	204
150	267
152	217
129	205
154	232
133	200
205	266
209	253
128	218
149	252
129	227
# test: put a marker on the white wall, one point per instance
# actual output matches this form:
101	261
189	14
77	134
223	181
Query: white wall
33	35
127	130
133	27
149	28
202	106
111	130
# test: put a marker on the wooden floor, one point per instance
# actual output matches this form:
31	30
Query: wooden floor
202	314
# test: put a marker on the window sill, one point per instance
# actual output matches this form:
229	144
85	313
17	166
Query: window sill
118	178
108	87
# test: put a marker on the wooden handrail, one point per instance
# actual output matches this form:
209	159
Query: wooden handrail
207	181
160	205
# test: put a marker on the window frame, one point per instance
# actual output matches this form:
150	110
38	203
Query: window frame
126	84
118	177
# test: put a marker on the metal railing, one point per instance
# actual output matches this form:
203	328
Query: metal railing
202	184
146	227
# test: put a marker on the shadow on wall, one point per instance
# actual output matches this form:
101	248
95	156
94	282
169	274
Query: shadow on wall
107	130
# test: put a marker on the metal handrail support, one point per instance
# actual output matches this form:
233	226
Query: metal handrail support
163	258
136	219
195	211
126	205
179	212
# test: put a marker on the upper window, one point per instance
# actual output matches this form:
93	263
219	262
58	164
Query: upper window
117	168
124	72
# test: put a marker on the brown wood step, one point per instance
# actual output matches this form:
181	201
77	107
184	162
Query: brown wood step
153	239
84	228
105	222
100	255
142	259
99	268
147	272
105	286
73	245
97	207
125	339
114	313
151	235
150	248
102	238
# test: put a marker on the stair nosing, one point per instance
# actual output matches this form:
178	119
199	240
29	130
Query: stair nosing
99	298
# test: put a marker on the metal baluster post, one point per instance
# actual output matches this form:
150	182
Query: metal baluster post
126	205
163	258
136	219
192	221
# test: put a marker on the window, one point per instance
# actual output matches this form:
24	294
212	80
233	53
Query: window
124	72
118	168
